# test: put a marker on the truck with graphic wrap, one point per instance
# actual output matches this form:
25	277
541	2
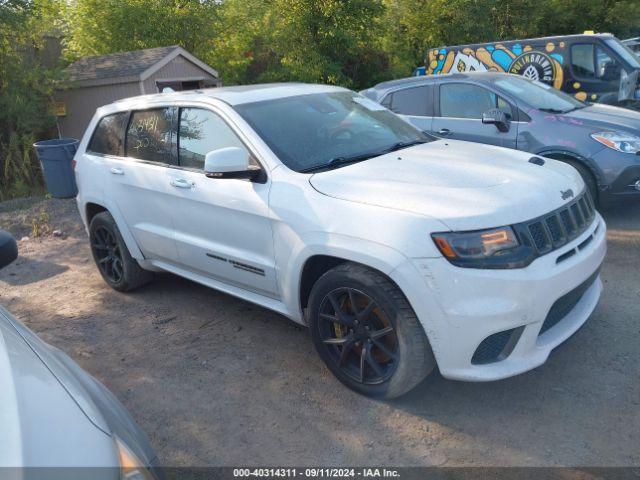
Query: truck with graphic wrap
591	67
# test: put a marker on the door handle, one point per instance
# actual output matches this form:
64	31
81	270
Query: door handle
444	132
117	171
181	183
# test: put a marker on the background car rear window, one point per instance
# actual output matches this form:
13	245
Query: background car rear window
411	101
108	137
460	100
202	131
149	135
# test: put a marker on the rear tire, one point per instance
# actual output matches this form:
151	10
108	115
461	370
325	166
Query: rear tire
352	341
116	265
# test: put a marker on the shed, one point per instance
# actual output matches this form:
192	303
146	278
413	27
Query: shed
97	81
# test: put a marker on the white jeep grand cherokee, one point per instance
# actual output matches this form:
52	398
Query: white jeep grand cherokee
399	251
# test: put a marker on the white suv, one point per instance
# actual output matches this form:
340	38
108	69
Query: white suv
399	251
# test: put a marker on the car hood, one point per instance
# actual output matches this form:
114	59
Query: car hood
52	412
607	116
465	185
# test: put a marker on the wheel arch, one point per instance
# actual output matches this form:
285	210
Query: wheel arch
562	154
92	209
93	206
403	277
314	260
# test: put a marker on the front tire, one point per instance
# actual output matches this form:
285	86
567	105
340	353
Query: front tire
116	265
366	332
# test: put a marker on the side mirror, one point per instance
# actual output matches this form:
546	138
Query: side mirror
230	162
8	249
498	118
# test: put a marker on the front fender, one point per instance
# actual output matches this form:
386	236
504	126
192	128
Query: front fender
569	154
374	255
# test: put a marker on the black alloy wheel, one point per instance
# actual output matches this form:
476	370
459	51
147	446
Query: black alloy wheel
359	338
367	334
116	265
107	253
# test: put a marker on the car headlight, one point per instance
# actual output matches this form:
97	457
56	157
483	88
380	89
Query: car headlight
131	467
619	141
494	248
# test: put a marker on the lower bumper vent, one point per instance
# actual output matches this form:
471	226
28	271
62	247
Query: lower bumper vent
496	347
563	306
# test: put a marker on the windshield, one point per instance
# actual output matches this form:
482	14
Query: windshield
310	132
625	52
538	95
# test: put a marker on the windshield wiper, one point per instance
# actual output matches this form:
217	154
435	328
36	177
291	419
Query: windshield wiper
339	161
400	145
552	110
345	160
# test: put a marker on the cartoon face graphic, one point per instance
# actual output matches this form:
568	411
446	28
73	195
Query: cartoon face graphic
467	63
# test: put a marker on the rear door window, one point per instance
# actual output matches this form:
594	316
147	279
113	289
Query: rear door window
108	137
462	100
411	101
149	135
201	131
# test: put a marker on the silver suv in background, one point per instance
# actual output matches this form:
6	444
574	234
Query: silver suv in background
601	141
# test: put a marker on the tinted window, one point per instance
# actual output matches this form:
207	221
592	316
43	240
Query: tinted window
411	101
460	100
108	136
308	131
582	60
592	61
149	135
200	132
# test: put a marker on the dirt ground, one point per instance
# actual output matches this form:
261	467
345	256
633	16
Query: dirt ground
217	381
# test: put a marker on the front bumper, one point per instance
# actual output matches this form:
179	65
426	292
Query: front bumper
624	185
618	174
462	307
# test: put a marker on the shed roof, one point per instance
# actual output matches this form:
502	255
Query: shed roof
128	66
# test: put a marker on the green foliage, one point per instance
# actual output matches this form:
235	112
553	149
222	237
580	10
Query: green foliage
106	26
25	92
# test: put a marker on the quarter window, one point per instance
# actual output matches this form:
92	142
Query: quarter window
202	131
149	135
108	136
460	100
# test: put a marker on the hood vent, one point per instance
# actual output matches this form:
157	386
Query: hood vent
537	161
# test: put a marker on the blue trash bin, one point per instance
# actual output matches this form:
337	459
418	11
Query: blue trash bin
55	158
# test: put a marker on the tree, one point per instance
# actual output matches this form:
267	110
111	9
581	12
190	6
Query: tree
331	41
98	27
25	91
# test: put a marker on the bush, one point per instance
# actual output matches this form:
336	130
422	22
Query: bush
25	96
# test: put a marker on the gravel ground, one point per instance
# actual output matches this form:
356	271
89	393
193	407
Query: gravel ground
217	381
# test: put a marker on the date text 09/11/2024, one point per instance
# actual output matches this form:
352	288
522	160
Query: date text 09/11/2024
316	473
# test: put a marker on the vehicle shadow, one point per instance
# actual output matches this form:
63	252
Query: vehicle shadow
24	271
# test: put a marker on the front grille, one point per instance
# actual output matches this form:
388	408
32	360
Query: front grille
496	347
563	306
554	230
